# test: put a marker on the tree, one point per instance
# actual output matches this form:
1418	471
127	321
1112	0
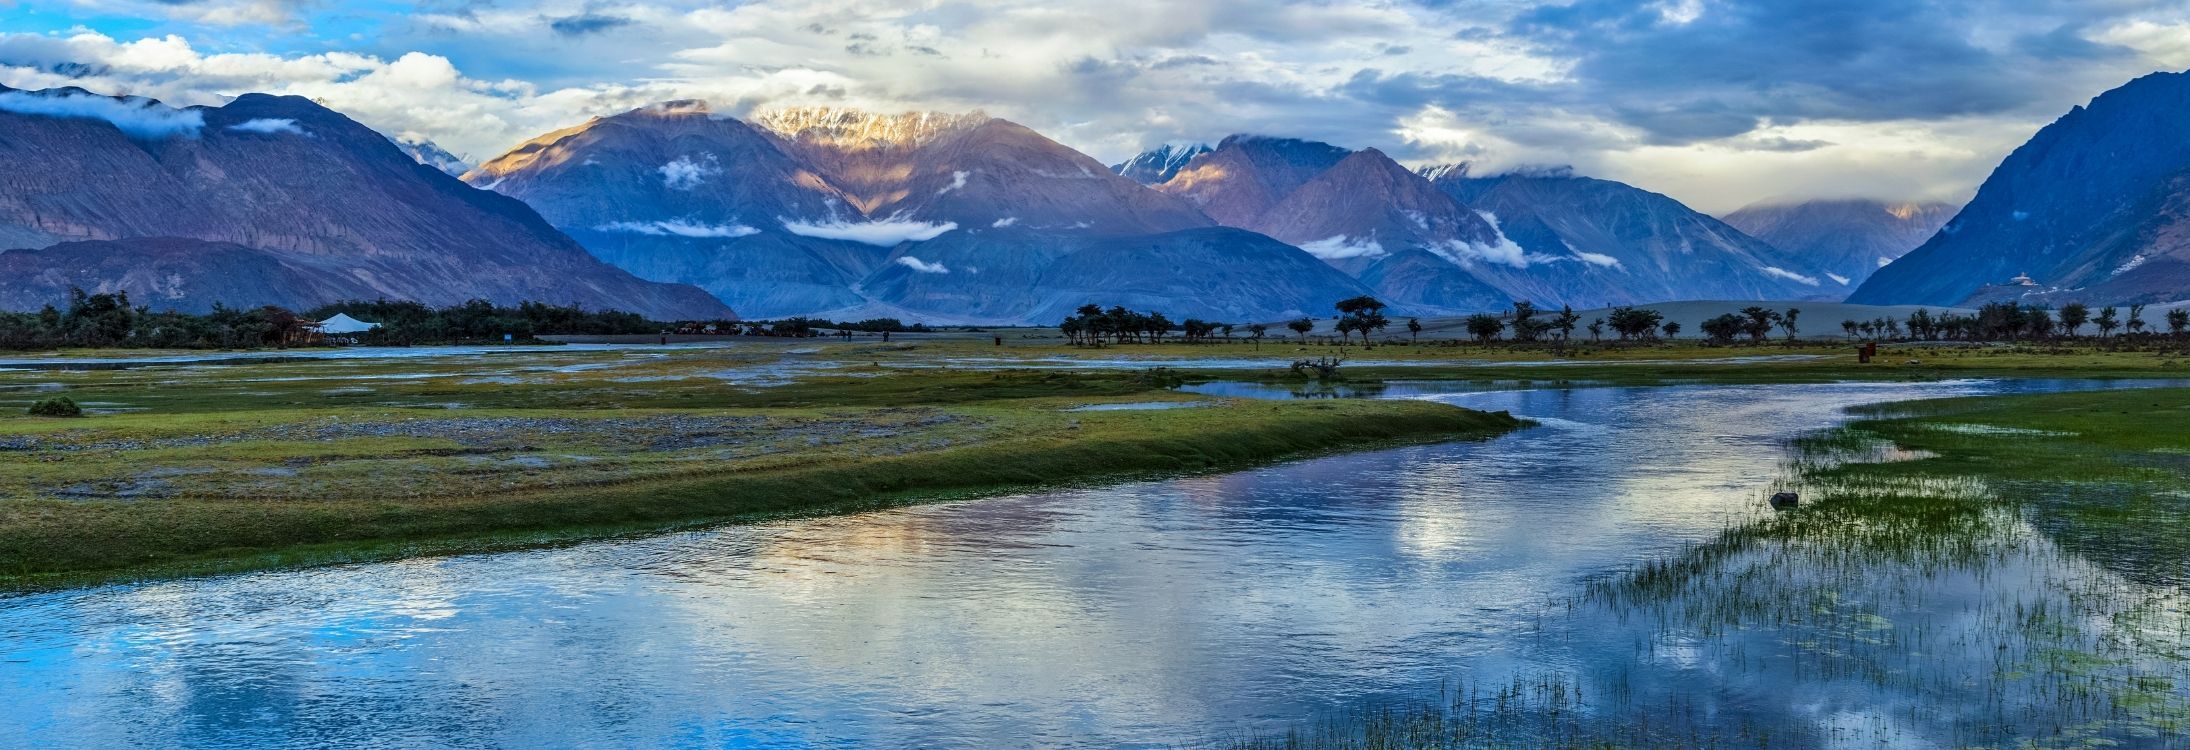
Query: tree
1921	324
1724	328
2136	319
2073	317
1760	322
1255	333
2107	322
1359	305
1364	314
1671	328
1302	327
1596	330
1632	322
1414	329
1485	327
1565	321
1525	325
1850	326
1787	322
2178	320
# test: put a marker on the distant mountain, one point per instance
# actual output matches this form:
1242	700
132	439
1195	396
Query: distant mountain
1359	211
2095	207
1160	165
1590	243
1848	238
270	199
960	218
425	151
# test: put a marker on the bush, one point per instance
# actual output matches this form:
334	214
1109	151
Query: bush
58	406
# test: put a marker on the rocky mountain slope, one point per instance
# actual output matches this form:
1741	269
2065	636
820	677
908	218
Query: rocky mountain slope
2095	207
1358	211
270	199
1846	238
1590	243
964	218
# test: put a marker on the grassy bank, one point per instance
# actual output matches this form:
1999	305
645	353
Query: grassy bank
152	494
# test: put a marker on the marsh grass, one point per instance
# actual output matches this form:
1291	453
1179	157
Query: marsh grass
2018	585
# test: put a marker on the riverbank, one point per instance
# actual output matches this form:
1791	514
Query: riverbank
238	483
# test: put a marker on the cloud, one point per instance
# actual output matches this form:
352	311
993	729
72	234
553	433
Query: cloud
587	23
680	228
1597	259
1503	250
269	126
1005	222
685	174
886	233
921	266
139	118
1342	247
1777	272
958	180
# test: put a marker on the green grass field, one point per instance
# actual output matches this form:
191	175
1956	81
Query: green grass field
190	469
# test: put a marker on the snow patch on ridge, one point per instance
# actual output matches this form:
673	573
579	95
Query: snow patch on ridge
922	266
886	233
1341	247
140	118
1837	278
1776	271
1005	222
679	228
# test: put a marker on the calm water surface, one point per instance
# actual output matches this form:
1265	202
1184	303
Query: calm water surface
1148	614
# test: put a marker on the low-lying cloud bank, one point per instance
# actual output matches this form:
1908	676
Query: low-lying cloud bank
886	233
139	118
680	228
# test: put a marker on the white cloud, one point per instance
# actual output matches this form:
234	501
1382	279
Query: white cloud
1342	247
1503	250
685	174
886	233
137	117
1776	271
269	126
921	266
2167	44
680	228
1597	259
1005	222
958	180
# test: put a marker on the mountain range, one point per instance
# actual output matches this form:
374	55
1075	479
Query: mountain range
2095	207
1847	238
268	200
937	217
966	218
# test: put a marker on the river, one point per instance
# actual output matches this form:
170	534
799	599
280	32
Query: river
1146	614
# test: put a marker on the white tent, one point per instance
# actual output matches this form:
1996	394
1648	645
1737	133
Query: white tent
343	323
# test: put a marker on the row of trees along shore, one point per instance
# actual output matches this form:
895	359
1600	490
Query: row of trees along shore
109	320
1525	323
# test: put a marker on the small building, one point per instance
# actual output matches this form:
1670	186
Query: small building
342	323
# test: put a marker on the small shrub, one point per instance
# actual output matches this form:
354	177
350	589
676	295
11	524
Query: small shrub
58	406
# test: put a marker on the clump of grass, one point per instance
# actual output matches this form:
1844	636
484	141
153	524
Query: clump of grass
58	406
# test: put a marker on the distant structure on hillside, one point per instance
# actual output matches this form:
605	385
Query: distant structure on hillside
2022	279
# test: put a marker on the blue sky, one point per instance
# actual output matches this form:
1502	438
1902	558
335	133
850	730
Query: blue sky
1716	102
